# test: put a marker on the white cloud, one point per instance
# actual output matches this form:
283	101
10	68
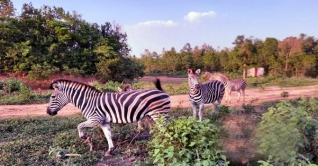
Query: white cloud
158	23
152	35
197	16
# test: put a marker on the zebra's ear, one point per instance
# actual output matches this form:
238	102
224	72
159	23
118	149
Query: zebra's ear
190	71
55	86
198	71
119	89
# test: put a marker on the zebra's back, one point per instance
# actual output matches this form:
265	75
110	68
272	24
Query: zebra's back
237	84
212	91
132	106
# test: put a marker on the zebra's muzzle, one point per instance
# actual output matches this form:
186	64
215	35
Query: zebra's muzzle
196	87
50	112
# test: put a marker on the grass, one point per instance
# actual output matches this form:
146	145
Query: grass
280	81
35	141
40	140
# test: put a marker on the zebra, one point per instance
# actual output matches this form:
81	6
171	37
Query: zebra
207	92
127	88
238	84
103	108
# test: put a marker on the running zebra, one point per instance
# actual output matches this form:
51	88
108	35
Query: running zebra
238	84
128	88
207	92
103	108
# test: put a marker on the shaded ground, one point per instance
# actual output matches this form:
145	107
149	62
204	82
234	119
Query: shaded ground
255	96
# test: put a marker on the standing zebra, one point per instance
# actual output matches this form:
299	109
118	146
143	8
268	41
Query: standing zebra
103	108
207	92
238	84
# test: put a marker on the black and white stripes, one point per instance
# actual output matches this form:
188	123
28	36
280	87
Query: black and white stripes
237	84
100	108
200	94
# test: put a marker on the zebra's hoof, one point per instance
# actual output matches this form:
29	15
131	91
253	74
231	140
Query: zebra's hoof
107	154
109	151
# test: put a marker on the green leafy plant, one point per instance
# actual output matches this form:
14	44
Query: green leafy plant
286	132
15	91
187	141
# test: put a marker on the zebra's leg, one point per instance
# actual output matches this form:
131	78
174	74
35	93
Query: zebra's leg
238	95
148	121
227	95
201	108
88	123
217	105
194	109
139	125
106	129
243	93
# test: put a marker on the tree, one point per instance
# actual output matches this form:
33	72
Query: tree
308	44
269	54
287	48
187	57
6	8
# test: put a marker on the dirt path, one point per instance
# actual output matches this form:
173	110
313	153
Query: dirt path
252	95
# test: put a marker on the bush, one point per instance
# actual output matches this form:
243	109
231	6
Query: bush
15	91
187	141
110	86
287	132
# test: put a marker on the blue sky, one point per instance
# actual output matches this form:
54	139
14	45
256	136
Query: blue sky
158	24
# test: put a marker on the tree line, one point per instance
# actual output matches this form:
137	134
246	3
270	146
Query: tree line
39	42
44	41
293	56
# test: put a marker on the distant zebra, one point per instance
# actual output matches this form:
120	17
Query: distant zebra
238	84
103	108
207	92
126	88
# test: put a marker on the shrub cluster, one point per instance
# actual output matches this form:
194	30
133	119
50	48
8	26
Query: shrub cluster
187	141
287	133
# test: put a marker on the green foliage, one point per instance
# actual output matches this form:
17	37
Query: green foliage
119	69
177	89
29	141
186	141
41	41
280	80
14	91
41	72
110	86
288	130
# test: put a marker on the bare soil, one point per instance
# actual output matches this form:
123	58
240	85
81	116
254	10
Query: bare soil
254	96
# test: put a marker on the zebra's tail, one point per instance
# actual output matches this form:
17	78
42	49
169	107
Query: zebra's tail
158	84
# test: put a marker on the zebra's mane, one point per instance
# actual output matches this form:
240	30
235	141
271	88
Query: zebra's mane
71	81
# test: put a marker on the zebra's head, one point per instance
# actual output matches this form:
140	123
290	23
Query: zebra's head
58	99
193	80
126	88
206	74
